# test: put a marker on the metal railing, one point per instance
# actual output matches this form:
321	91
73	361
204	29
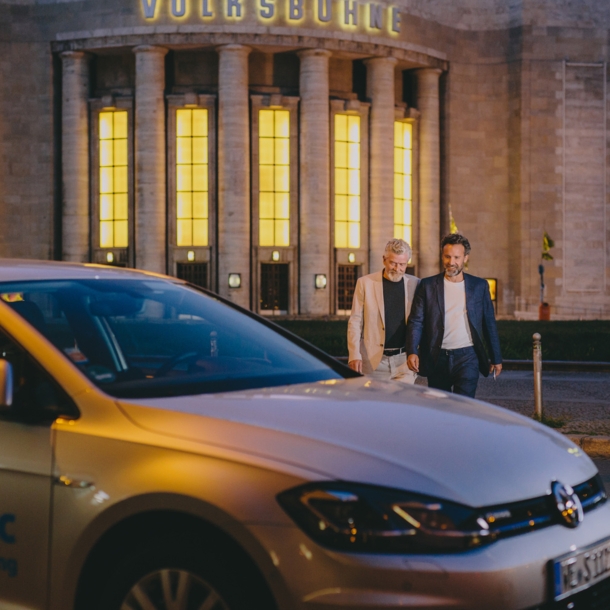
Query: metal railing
527	308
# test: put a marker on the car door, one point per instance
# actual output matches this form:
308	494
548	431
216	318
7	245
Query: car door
26	462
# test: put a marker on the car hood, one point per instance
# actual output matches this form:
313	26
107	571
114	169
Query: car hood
388	434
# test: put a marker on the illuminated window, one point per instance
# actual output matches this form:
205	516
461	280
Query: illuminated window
192	188
114	182
274	177
347	181
403	181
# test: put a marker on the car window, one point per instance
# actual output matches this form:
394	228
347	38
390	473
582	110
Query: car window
152	337
36	396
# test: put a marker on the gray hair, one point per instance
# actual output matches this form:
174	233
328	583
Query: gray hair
398	246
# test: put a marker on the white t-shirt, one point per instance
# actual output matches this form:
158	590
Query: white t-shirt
457	331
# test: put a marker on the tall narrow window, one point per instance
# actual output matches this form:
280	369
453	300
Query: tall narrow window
274	177
114	182
403	181
347	181
192	188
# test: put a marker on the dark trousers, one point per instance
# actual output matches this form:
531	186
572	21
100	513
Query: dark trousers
456	370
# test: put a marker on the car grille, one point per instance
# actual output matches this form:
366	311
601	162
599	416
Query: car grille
520	517
596	597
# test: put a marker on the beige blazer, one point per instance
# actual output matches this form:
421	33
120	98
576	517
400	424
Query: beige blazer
366	326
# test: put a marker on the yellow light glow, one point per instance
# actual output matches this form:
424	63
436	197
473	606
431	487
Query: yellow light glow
106	234
266	233
403	181
120	124
282	206
192	177
106	153
347	181
106	130
266	205
184	205
266	151
121	234
274	177
106	207
114	179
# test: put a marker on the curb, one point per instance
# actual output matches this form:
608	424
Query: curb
563	366
566	366
593	446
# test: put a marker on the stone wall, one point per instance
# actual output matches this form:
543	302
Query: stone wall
503	124
27	160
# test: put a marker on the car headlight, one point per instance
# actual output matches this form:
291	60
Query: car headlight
365	518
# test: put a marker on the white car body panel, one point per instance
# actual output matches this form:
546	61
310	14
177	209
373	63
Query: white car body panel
223	458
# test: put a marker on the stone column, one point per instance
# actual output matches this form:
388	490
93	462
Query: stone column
429	172
234	252
314	238
380	91
75	157
150	163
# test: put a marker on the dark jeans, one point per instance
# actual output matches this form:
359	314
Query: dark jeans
456	370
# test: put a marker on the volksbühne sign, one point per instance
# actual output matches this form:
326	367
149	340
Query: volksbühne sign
348	14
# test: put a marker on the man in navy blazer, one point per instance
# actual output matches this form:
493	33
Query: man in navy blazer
451	317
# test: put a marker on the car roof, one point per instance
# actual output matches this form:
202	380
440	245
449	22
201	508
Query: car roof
19	270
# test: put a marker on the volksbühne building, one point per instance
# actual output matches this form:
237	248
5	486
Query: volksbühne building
267	149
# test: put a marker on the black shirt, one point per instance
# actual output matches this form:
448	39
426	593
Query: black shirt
394	306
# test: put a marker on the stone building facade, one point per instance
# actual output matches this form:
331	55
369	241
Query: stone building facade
267	149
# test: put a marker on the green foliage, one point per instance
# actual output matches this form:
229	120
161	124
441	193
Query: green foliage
547	244
453	228
573	340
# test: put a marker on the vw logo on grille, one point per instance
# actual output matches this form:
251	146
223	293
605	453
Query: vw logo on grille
568	504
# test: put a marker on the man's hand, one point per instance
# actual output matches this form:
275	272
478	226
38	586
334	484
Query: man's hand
495	368
413	362
355	365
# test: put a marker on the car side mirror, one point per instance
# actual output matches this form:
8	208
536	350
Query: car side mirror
6	385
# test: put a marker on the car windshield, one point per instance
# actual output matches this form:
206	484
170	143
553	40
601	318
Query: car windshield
141	338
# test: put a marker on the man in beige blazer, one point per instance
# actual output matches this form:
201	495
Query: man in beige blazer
376	331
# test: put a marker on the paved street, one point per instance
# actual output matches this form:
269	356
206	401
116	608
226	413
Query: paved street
580	400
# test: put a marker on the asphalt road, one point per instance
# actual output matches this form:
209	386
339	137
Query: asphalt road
604	469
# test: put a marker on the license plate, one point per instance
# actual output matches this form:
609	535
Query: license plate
581	569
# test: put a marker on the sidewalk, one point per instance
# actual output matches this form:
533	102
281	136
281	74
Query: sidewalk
578	400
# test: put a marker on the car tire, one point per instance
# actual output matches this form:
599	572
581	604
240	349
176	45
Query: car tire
159	577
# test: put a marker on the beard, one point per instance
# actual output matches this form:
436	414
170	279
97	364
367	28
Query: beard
394	276
453	270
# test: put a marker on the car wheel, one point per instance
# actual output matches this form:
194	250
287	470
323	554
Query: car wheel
173	579
169	589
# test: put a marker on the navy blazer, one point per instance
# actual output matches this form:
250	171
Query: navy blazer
426	325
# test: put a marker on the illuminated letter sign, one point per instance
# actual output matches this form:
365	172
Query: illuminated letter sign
149	7
233	4
4	535
351	12
178	8
375	15
324	11
295	10
267	9
205	9
395	20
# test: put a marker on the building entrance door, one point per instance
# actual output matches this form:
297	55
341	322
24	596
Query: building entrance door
274	288
347	276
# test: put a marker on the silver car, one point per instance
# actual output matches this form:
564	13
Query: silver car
161	449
